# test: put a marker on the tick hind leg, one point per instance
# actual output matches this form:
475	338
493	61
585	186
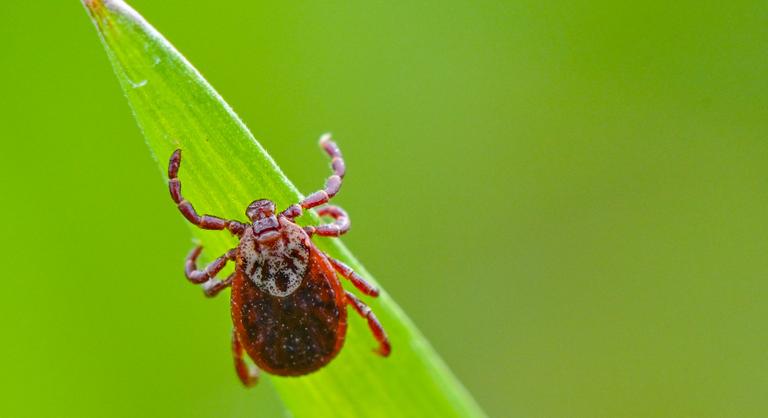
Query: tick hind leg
358	281
373	323
249	375
186	208
332	185
207	276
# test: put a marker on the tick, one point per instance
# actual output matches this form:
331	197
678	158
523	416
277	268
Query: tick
288	307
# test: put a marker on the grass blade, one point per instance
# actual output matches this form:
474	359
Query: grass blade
224	169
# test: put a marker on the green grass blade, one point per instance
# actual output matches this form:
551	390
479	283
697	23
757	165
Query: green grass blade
224	169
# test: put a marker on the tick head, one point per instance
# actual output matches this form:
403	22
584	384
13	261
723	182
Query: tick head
262	214
260	209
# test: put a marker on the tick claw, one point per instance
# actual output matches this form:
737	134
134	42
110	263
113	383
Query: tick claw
383	351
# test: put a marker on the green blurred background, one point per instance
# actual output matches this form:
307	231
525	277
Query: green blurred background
570	199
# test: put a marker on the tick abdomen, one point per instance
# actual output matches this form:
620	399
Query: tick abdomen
292	334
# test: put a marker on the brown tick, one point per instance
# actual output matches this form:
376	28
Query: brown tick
288	306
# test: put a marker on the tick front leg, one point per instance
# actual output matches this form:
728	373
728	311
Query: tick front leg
209	272
332	185
249	375
358	281
373	323
186	208
340	225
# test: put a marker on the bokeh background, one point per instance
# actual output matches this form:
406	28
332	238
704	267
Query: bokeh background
570	199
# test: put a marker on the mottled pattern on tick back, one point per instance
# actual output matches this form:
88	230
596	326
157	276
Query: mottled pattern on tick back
278	267
289	323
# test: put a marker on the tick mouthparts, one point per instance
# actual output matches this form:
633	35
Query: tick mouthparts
264	225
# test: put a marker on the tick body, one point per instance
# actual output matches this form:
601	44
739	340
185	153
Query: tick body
289	309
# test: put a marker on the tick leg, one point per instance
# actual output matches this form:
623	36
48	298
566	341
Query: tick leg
357	280
332	185
213	286
338	227
249	375
186	208
373	323
201	276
